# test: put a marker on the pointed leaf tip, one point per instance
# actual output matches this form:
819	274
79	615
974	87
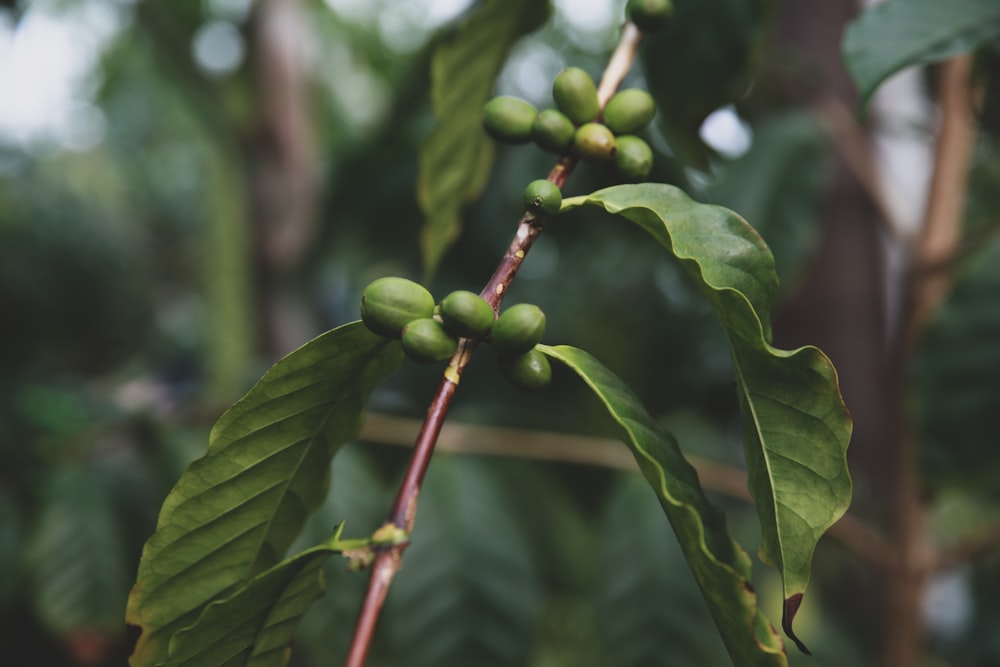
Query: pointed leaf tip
788	613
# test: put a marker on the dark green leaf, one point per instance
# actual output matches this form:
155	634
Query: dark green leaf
702	60
795	426
254	626
900	33
957	382
469	592
721	568
650	611
75	555
456	159
235	511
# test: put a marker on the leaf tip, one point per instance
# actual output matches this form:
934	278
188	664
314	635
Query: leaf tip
788	613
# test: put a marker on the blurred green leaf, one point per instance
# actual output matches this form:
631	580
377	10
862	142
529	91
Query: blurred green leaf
74	555
899	33
456	158
702	60
795	426
236	510
650	611
721	568
957	384
470	591
254	627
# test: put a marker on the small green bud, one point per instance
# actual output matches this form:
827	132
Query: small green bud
553	131
518	329
389	304
509	119
595	141
426	341
576	95
466	314
542	198
634	158
650	15
629	111
529	372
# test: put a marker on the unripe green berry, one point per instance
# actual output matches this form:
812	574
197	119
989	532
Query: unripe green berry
553	130
426	340
650	15
466	314
576	95
529	372
595	141
518	329
542	198
629	110
634	158
389	304
509	119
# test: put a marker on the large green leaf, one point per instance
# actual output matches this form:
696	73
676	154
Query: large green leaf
235	511
721	568
795	426
456	158
900	33
254	626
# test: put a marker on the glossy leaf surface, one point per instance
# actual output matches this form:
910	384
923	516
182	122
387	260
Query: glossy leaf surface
721	568
795	426
900	33
236	510
456	158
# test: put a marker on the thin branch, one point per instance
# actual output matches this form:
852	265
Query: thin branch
715	477
389	560
969	548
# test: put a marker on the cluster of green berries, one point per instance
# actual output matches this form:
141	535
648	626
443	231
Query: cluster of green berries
429	332
574	125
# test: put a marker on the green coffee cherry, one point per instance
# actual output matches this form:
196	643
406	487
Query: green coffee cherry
650	15
542	198
426	340
389	304
529	372
594	141
629	110
518	329
634	157
466	314
576	95
509	119
553	131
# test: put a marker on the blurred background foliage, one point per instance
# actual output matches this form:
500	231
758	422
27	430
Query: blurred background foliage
227	175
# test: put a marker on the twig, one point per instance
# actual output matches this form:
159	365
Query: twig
715	477
389	560
969	548
914	552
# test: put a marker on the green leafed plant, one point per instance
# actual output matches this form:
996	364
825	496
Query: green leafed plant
215	586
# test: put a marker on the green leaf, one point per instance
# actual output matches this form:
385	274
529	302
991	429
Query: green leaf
254	626
456	158
795	426
75	555
235	511
643	566
721	568
702	60
470	592
957	385
900	33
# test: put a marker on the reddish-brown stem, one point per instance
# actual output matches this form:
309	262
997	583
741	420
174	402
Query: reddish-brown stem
388	560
